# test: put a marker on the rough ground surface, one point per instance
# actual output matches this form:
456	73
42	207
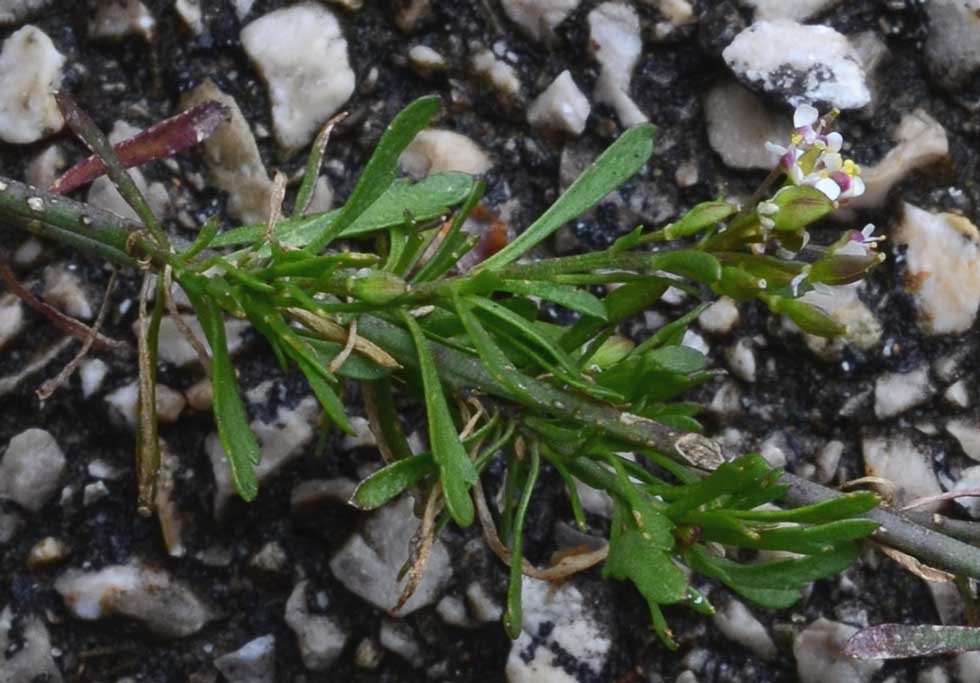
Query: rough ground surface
820	410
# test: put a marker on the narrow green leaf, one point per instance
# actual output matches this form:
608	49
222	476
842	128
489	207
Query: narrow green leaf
514	615
456	471
527	330
236	436
427	199
379	173
446	256
842	507
391	480
494	360
695	265
566	295
615	166
682	359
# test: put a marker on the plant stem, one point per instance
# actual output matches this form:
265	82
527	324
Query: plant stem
103	234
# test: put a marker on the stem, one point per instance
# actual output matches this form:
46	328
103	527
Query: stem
101	233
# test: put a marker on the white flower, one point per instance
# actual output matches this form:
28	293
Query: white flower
861	243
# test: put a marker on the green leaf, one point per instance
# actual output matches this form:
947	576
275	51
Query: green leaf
681	359
456	471
448	254
615	166
494	360
427	199
623	302
566	295
842	507
514	614
690	263
527	330
355	367
379	173
391	480
234	432
809	318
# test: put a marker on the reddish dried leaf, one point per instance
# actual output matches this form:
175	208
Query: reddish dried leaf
161	140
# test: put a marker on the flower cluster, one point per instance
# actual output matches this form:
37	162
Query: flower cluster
813	158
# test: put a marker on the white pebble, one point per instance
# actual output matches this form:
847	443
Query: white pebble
561	107
30	73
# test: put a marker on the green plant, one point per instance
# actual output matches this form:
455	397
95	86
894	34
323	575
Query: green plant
371	293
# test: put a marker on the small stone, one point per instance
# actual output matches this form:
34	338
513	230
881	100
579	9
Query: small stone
94	492
190	13
15	11
281	440
31	469
498	74
820	658
740	625
484	606
92	373
63	289
436	151
967	666
827	460
560	632
43	169
425	60
149	596
801	64
362	437
47	552
123	403
242	8
320	638
200	395
943	268
897	392
896	458
30	73
539	18
957	394
168	511
775	450
936	674
920	142
616	44
397	637
174	347
28	253
253	662
686	174
452	610
271	560
727	401
369	563
967	433
120	18
720	317
232	155
26	647
11	318
561	107
10	526
740	124
741	360
797	10
368	655
952	50
301	53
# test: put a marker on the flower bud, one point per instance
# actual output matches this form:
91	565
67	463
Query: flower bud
739	284
843	269
376	286
690	263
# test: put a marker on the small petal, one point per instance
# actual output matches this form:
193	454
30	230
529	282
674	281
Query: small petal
835	141
832	161
857	187
829	187
767	208
805	115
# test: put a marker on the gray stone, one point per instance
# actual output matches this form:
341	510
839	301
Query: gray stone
253	662
820	659
953	48
369	562
740	125
31	469
31	659
320	638
30	72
